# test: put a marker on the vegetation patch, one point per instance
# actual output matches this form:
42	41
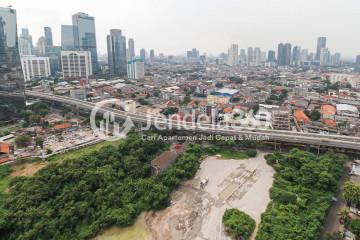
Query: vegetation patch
301	195
77	198
238	224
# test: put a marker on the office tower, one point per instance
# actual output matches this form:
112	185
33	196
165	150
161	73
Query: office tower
284	54
357	61
242	57
296	56
116	47
325	57
53	53
67	37
193	55
41	46
131	49
136	69
85	37
335	59
76	64
35	67
271	56
143	54
152	55
257	57
251	56
25	42
12	99
48	36
233	55
321	43
304	56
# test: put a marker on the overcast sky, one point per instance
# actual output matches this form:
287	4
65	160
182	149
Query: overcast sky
174	26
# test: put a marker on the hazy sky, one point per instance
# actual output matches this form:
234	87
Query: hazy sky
174	26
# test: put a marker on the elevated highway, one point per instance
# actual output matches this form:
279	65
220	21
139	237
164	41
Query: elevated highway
333	141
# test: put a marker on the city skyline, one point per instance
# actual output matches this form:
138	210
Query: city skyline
258	23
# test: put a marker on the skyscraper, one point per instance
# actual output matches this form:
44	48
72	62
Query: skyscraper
325	57
131	47
116	47
143	54
233	55
41	46
250	56
321	43
284	54
271	56
152	55
357	62
296	56
25	42
85	36
67	37
136	69
48	36
257	56
12	99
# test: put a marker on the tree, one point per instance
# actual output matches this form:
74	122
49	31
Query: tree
39	142
219	85
352	193
238	224
315	115
22	141
354	227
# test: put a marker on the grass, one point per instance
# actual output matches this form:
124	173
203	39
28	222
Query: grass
4	183
238	155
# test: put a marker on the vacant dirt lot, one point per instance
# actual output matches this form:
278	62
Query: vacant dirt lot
27	169
196	213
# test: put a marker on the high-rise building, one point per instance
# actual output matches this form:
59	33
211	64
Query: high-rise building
152	55
143	54
233	55
35	67
284	54
48	36
304	56
41	46
243	57
271	56
321	43
53	53
12	98
250	56
335	59
116	47
25	42
67	38
357	61
85	36
76	64
296	56
136	69
131	49
325	57
257	56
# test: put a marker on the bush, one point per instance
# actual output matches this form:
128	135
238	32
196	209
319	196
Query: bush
238	224
251	153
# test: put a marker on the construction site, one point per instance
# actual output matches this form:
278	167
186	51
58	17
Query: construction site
198	205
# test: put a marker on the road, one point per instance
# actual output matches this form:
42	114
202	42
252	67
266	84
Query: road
336	141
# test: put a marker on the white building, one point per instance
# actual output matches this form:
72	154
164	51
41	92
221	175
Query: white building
35	67
233	55
136	69
347	110
76	64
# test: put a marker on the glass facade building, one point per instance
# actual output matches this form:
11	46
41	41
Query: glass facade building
116	46
12	99
85	37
